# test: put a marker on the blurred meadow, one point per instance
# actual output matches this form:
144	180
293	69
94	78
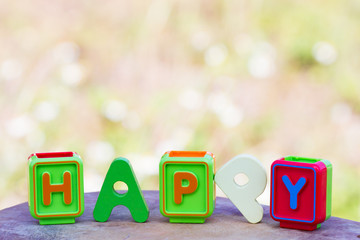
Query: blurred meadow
138	78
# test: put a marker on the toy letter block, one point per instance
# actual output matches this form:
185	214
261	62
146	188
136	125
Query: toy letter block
187	189
121	170
56	189
300	192
244	197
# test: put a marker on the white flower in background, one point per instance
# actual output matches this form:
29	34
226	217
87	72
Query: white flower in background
100	152
132	121
200	40
190	99
158	14
324	53
114	110
231	116
216	55
243	44
92	180
46	111
144	165
66	52
341	113
227	112
217	101
72	74
178	140
168	144
183	135
11	69
262	61
20	126
36	139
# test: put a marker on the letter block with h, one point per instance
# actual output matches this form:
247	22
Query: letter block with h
300	192
187	188
56	189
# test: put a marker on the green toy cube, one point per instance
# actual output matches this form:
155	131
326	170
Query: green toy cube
56	189
187	188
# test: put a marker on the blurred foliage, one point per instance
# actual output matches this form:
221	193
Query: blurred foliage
138	78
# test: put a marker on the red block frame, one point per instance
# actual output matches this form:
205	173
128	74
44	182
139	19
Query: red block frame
311	198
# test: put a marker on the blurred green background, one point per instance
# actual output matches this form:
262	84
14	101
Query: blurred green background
138	78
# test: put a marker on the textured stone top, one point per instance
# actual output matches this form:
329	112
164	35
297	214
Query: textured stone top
225	223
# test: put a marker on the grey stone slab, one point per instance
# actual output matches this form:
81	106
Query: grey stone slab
225	223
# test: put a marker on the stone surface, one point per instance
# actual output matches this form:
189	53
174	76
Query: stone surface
225	223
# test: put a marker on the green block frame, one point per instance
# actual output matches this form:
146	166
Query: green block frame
196	206
56	164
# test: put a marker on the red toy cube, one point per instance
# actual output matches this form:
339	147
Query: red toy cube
300	192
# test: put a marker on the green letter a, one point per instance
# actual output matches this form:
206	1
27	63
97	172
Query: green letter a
121	170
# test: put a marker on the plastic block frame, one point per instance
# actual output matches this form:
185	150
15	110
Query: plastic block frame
310	181
193	173
56	189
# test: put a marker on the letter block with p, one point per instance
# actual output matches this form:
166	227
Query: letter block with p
187	189
56	191
300	192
